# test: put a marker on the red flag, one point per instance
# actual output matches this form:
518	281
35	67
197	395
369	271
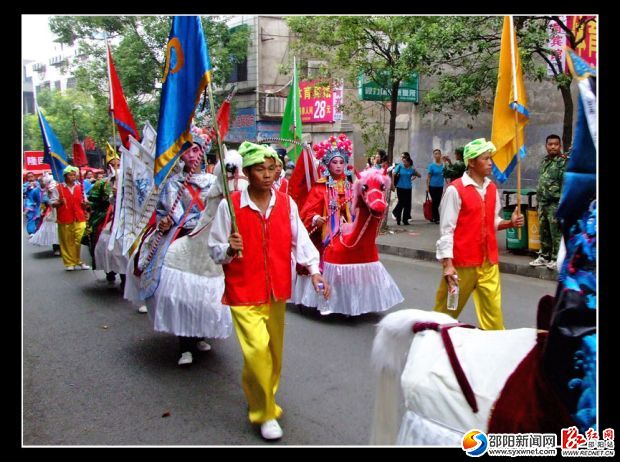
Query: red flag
79	155
304	176
223	118
118	106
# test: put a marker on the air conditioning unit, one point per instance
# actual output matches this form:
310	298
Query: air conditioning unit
274	105
314	67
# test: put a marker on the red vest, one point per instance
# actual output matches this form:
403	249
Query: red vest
265	269
474	237
71	211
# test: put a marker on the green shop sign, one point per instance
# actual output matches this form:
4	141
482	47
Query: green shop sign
408	90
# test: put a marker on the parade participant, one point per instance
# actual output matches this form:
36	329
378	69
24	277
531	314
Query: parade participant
88	182
281	183
102	199
470	217
550	177
258	283
327	206
434	183
453	171
166	283
32	203
403	175
47	234
68	199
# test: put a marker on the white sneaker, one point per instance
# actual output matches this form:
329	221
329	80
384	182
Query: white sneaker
540	261
82	266
271	430
69	268
142	309
203	346
552	265
186	358
57	253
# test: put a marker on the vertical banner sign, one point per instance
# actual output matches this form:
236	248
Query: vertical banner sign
557	41
338	94
586	50
317	102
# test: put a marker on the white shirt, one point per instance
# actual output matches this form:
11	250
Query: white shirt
449	209
303	249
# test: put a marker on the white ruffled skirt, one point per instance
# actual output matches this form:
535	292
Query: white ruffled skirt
106	260
132	284
419	431
46	235
355	289
188	305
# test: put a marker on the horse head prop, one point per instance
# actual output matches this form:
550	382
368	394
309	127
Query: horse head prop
370	189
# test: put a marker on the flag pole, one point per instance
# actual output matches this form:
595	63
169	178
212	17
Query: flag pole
233	221
515	102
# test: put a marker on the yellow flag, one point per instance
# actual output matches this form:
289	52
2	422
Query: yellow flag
509	97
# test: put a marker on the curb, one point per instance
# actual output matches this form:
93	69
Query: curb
504	267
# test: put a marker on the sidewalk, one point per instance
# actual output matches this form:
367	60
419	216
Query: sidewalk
418	241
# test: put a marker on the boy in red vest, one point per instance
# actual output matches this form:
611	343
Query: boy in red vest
68	198
469	219
259	283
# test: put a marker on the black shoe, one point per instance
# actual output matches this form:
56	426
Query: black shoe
398	222
406	222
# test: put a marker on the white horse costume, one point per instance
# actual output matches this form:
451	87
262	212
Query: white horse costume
188	299
414	370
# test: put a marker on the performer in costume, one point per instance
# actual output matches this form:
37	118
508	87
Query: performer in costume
327	206
165	277
68	199
47	234
467	248
259	283
32	203
281	183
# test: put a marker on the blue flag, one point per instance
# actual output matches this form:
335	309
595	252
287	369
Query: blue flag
54	154
186	74
579	183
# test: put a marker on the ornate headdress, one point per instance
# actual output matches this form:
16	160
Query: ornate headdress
334	147
202	136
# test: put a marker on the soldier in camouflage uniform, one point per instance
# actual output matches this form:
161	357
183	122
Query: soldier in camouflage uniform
550	177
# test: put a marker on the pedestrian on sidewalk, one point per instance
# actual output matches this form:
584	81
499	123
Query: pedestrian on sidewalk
402	182
467	249
68	199
453	171
434	183
258	284
550	175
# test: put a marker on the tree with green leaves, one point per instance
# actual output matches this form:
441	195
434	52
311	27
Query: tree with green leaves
387	49
61	110
138	46
468	62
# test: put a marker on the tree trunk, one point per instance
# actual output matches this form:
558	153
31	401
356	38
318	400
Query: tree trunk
391	139
567	130
392	130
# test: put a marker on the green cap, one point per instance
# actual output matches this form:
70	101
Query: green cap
476	148
70	169
253	154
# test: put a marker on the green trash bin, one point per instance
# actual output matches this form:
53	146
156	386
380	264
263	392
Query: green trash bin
513	242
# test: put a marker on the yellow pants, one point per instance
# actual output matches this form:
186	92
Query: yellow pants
260	331
70	239
484	282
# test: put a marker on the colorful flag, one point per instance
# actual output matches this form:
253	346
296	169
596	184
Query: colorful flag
79	154
54	153
186	75
291	120
118	105
509	97
579	182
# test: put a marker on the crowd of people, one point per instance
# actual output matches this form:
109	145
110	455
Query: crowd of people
207	264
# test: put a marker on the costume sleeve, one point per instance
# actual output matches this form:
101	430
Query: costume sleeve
448	215
498	210
313	206
219	233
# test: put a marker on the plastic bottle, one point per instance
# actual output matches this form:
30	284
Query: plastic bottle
453	295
